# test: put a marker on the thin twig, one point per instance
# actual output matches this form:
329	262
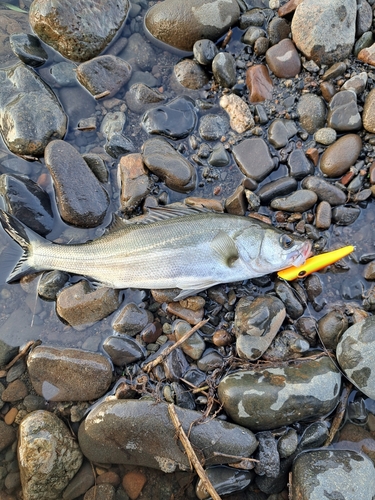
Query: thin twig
167	351
340	412
102	94
21	354
191	453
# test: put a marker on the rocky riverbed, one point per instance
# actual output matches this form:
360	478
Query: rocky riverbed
259	108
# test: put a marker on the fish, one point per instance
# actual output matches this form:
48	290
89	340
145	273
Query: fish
189	249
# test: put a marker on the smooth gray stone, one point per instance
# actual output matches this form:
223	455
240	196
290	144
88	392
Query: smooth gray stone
140	432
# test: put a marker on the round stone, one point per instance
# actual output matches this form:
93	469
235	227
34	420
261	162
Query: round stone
341	155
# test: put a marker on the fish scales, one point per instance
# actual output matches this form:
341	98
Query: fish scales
189	250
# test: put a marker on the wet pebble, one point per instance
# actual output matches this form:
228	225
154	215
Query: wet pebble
175	119
267	455
104	74
129	422
113	123
225	480
117	145
190	74
213	127
140	97
368	112
64	74
83	202
139	54
299	165
253	158
15	391
205	51
344	216
283	59
288	443
194	346
132	319
189	315
181	25
68	374
256	324
236	203
101	492
165	162
355	354
325	191
275	189
369	271
287	345
331	326
343	114
210	360
252	34
28	48
287	295
28	202
219	156
135	182
271	397
81	305
124	350
259	83
312	111
224	69
241	118
48	456
300	201
343	473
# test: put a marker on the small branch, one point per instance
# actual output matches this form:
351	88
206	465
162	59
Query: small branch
340	412
102	94
191	454
22	354
148	367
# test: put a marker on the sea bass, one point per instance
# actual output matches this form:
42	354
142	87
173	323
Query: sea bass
170	248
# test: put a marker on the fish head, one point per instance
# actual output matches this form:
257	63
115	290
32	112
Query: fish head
273	250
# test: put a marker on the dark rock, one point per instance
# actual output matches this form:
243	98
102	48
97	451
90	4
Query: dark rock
325	191
131	319
343	114
205	51
213	127
300	201
312	112
299	165
331	326
83	202
287	295
274	189
175	119
28	48
77	30
283	59
118	145
140	97
28	202
105	439
51	283
344	216
97	166
7	435
30	114
124	350
225	480
104	73
68	374
224	69
135	182
190	74
253	158
165	162
268	455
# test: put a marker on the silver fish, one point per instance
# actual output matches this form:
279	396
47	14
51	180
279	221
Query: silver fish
171	248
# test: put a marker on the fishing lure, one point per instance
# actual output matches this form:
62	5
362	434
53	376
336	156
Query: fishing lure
315	263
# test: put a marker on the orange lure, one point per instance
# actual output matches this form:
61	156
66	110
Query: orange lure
315	263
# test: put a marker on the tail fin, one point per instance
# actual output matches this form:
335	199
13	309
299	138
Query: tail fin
25	238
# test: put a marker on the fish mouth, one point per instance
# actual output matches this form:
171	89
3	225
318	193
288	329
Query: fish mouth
302	254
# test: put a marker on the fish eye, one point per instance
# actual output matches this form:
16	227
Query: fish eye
286	241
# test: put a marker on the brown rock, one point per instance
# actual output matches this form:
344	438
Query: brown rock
288	8
323	215
367	55
15	391
372	173
369	271
283	59
328	90
104	73
215	205
7	435
236	204
192	317
100	492
109	477
68	374
313	155
10	416
341	155
135	182
133	483
259	83
368	115
79	305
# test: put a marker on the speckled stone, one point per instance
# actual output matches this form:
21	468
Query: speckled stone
239	113
190	74
271	397
368	115
356	355
48	456
253	158
180	25
341	155
259	83
312	112
325	30
283	59
323	215
326	136
333	474
78	30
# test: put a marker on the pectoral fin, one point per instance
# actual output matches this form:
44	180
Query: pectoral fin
224	248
